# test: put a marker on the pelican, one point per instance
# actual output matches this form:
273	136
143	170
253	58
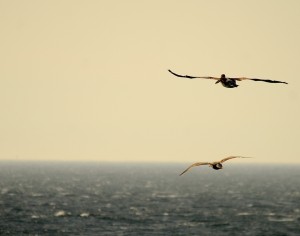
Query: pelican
226	81
217	165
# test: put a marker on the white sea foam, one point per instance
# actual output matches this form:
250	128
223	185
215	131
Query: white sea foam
60	213
84	214
4	190
281	219
244	214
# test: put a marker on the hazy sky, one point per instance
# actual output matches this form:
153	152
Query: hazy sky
88	80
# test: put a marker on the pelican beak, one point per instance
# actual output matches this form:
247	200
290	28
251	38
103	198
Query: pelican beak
218	81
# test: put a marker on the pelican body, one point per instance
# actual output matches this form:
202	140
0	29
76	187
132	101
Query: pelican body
227	82
216	166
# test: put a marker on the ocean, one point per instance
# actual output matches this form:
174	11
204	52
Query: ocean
69	198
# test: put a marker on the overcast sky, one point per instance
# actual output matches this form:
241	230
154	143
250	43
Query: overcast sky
89	80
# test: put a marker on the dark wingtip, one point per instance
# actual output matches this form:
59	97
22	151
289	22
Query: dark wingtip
283	82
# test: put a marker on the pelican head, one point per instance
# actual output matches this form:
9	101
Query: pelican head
222	78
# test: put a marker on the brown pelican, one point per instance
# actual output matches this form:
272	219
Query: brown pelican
226	82
217	165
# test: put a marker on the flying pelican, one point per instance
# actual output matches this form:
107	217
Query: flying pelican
217	165
226	81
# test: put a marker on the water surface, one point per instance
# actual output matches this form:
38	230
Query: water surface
148	199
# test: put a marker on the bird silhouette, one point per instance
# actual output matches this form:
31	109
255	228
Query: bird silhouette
226	81
217	165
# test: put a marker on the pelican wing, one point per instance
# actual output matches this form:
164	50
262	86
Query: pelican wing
263	80
231	157
193	77
195	164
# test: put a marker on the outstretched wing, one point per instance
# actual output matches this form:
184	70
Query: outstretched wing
193	77
231	157
195	164
263	80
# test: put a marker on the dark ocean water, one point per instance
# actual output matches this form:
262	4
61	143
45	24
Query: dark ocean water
148	199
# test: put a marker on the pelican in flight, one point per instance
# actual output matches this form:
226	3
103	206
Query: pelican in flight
226	81
217	165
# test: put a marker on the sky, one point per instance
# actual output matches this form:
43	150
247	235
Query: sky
89	80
